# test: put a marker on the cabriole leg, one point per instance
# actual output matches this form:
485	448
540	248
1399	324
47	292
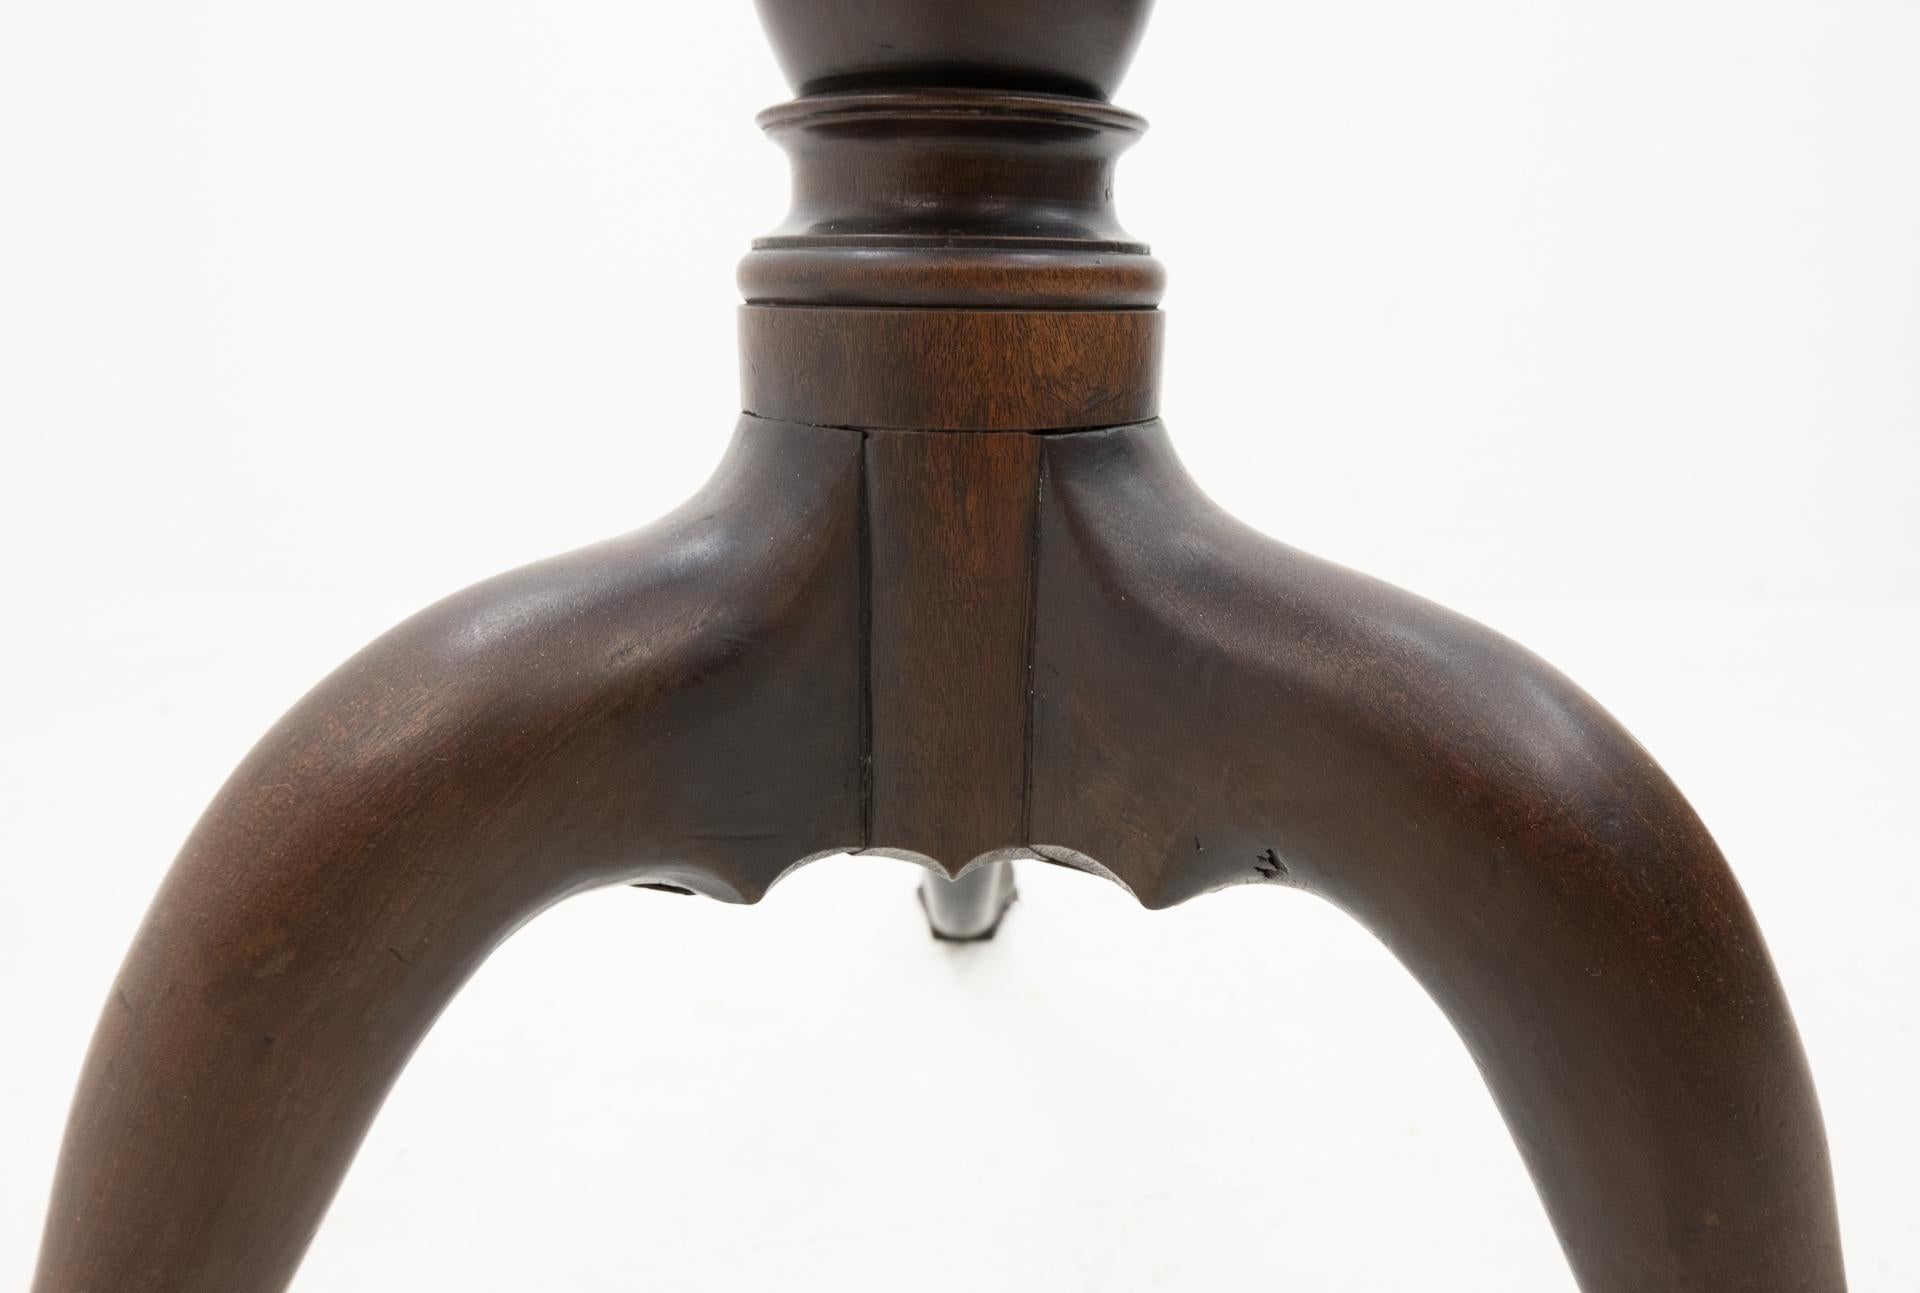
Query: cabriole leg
1225	710
679	707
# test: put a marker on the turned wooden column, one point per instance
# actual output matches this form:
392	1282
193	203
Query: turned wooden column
950	597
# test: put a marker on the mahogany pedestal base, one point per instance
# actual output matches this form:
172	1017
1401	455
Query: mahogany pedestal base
950	597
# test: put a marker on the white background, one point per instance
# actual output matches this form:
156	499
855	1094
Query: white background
1598	321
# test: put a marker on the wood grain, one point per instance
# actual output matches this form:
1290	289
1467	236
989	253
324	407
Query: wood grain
680	707
950	596
950	526
1214	709
950	370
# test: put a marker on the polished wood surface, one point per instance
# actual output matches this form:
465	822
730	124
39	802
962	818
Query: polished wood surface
951	370
950	526
950	597
678	707
965	198
1079	47
1223	710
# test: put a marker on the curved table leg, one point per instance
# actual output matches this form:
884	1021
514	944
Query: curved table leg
678	707
1212	708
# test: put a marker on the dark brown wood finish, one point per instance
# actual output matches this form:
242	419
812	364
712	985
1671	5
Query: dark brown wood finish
680	707
952	197
951	526
950	597
923	370
1213	709
1078	48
